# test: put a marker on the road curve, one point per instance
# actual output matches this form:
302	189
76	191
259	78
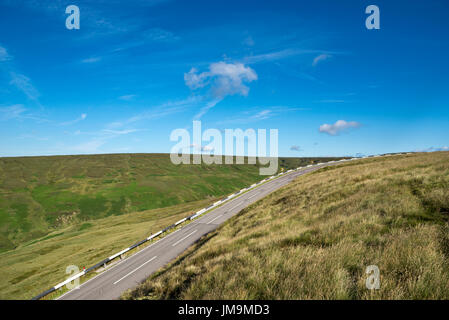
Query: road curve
130	272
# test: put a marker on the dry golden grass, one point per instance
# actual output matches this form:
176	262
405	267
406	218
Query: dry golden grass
314	238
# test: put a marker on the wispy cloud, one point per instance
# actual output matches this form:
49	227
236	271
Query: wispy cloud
295	148
264	114
259	115
4	55
119	132
32	137
248	41
89	146
206	108
18	112
17	79
11	112
272	56
222	79
331	101
160	35
100	138
23	83
320	58
91	60
338	127
127	97
80	118
159	111
284	54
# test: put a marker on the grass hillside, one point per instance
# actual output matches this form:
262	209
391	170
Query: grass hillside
39	195
314	238
77	210
40	264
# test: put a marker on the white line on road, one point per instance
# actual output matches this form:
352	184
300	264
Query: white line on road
236	206
253	195
135	270
174	244
214	219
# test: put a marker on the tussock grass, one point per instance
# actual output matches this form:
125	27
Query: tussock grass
314	238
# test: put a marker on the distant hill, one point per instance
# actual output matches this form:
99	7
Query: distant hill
314	238
39	195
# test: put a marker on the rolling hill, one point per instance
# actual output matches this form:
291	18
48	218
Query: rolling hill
41	194
314	238
76	210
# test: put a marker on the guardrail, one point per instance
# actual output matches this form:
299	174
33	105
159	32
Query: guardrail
191	217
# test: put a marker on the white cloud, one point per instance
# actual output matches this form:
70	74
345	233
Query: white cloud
253	116
160	35
18	112
339	126
20	81
320	58
119	132
225	79
206	108
295	148
284	54
160	111
249	41
91	60
80	118
271	56
127	97
89	146
100	139
331	101
11	112
4	56
222	79
23	83
264	114
194	80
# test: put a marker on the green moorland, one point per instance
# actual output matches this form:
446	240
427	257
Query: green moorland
314	238
63	210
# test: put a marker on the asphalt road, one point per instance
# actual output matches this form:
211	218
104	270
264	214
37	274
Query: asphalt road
131	271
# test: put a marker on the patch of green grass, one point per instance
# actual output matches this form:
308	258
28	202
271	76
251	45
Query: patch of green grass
85	226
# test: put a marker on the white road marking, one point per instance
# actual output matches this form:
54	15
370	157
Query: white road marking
214	219
119	263
135	270
253	195
174	244
236	206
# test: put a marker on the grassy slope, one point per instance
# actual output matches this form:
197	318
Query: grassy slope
314	238
40	264
42	194
39	195
58	211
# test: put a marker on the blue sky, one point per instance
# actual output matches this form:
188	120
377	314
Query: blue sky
136	70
